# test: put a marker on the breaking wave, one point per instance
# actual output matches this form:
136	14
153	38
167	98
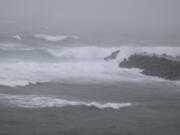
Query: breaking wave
32	101
52	38
73	65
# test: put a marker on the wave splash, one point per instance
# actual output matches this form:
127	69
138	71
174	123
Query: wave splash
95	52
32	101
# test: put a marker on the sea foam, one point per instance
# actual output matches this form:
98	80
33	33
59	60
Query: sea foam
33	101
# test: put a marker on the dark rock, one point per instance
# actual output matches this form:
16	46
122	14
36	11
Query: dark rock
153	65
112	56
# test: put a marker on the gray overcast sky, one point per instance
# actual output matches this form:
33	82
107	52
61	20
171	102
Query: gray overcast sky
112	14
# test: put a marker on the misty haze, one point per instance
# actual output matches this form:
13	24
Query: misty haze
89	67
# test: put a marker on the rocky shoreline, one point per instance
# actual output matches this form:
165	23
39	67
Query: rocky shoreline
153	65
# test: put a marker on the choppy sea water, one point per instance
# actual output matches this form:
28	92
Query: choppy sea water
48	87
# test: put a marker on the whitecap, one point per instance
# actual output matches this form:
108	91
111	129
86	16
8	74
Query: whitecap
33	101
18	37
55	38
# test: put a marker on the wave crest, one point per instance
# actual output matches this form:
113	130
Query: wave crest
31	101
55	38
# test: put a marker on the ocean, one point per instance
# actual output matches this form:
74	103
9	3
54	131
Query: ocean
61	85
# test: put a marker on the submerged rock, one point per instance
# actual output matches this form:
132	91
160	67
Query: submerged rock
112	56
153	65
